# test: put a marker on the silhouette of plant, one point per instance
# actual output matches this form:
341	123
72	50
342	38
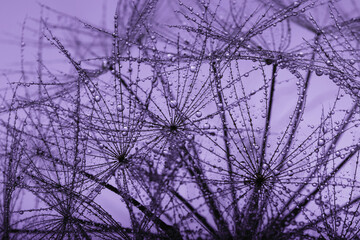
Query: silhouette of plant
186	120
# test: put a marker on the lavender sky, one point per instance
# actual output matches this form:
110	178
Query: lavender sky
13	13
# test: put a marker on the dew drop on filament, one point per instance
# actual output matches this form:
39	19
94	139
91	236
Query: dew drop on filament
97	98
120	107
172	104
321	142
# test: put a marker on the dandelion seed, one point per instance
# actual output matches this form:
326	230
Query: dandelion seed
262	172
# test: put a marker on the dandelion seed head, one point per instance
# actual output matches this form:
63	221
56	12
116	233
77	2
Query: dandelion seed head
230	121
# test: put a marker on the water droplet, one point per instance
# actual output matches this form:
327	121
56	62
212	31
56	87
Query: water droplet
97	98
324	129
206	126
269	61
172	104
198	114
120	107
105	64
125	131
321	142
192	68
319	72
190	136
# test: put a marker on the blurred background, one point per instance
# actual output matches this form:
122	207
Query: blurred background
13	13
